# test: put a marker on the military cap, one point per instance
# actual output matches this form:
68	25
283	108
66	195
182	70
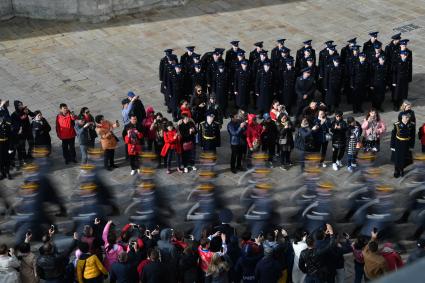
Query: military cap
404	41
329	42
259	44
362	54
241	52
307	42
263	52
306	70
307	49
197	65
310	59
190	48
234	42
281	40
168	51
374	33
210	113
332	47
355	47
244	62
396	36
377	45
403	52
172	57
353	40
196	56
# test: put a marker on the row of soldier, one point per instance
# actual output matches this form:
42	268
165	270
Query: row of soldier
258	79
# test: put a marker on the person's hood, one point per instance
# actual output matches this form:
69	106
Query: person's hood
16	103
150	110
251	118
269	247
387	248
166	234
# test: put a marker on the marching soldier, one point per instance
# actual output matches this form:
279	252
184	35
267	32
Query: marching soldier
264	89
300	53
402	144
176	90
5	147
332	83
285	79
368	45
255	54
210	134
379	77
242	86
221	87
359	82
402	73
276	52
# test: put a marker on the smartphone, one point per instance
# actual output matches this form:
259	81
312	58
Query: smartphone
345	235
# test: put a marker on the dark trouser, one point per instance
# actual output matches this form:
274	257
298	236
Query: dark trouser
98	279
337	153
4	158
134	162
68	149
323	147
158	148
108	158
312	279
351	159
423	148
170	156
236	157
358	97
270	150
186	158
285	157
358	272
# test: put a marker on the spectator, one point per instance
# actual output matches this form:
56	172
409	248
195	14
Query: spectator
205	254
373	128
375	265
127	107
268	269
185	109
65	131
339	135
198	104
354	133
421	136
4	112
245	266
108	140
28	262
321	127
125	270
148	131
357	248
418	253
154	272
134	144
285	140
304	141
41	131
269	137
89	268
236	130
253	136
217	271
298	245
138	108
393	259
406	107
112	249
172	146
9	265
86	133
187	130
169	256
159	126
188	265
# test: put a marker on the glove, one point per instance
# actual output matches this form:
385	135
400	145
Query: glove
392	149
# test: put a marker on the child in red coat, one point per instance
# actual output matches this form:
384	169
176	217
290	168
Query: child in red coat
134	147
148	131
185	109
172	146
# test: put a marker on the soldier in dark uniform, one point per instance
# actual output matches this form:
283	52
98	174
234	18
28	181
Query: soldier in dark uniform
392	53
276	52
221	87
327	60
403	47
300	53
379	77
176	90
314	71
350	60
368	45
284	55
162	67
402	144
301	62
285	80
347	49
186	60
209	131
255	54
323	54
232	55
305	87
332	83
255	68
264	88
168	71
242	86
402	73
359	82
213	68
5	147
374	56
198	77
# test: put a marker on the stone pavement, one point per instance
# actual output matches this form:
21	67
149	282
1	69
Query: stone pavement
45	63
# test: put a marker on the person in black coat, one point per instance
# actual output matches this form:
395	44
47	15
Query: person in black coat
125	269
221	87
242	86
286	84
284	56
254	55
276	52
302	61
162	68
41	131
198	104
379	77
285	140
338	130
349	62
332	83
21	131
323	55
5	147
198	77
188	265
264	88
175	90
166	69
400	79
212	68
155	271
186	60
359	82
300	53
403	47
347	50
231	59
402	144
305	87
368	45
269	137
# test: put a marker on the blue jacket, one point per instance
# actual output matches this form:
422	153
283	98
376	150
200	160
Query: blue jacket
236	133
268	270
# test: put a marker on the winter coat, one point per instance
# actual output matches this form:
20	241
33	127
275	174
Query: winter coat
107	138
304	140
297	275
265	89
236	133
375	265
28	268
402	144
374	130
245	266
169	255
147	123
132	139
253	131
65	126
268	270
41	132
353	137
286	134
111	250
89	267
171	141
339	136
188	268
9	269
320	134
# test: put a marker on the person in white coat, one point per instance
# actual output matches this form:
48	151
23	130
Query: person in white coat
298	245
9	265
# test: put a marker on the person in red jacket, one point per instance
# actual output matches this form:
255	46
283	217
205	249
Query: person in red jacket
185	110
393	259
172	146
134	144
66	133
421	135
148	131
253	136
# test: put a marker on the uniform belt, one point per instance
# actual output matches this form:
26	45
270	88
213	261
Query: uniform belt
208	138
1	140
403	139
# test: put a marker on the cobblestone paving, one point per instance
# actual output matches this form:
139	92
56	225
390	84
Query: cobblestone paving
45	63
